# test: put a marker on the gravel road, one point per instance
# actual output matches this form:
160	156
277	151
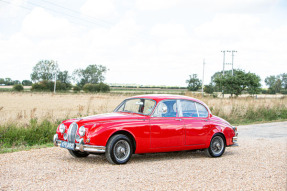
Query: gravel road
259	163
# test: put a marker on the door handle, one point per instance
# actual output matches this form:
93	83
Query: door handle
178	119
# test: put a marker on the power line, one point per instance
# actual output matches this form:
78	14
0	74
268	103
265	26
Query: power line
72	16
77	12
61	13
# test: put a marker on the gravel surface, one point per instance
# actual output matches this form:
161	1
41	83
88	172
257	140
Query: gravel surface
259	163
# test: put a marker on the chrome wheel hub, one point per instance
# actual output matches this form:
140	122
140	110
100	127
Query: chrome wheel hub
122	150
217	145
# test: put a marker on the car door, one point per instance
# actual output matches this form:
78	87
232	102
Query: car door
166	125
196	121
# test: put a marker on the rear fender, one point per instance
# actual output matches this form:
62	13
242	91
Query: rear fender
214	131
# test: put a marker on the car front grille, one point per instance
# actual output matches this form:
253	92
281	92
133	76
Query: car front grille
72	132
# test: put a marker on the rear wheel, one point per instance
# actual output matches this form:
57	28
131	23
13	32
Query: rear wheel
119	149
78	154
216	147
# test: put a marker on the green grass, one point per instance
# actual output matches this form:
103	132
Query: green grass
35	133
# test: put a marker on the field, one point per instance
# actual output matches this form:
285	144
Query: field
20	108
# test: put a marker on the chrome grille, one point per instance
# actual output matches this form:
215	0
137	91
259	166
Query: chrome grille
72	132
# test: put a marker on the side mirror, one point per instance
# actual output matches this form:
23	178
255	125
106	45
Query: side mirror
210	115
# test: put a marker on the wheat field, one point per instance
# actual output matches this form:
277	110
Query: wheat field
20	108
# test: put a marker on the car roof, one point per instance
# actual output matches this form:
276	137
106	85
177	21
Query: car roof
159	97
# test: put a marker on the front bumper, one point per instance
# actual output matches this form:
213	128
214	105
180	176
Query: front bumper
81	146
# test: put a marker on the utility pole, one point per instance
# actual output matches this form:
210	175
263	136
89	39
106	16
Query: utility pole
223	70
232	54
223	60
55	83
202	77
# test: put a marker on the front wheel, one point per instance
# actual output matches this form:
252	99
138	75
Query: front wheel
216	147
119	149
78	154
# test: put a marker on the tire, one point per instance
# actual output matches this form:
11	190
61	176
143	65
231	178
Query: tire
216	147
119	149
78	154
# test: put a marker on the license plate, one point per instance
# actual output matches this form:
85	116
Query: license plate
67	145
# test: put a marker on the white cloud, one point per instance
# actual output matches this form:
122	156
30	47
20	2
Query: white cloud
169	30
156	4
41	24
99	8
11	9
234	26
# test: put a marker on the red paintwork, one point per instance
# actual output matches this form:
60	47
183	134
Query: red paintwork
155	134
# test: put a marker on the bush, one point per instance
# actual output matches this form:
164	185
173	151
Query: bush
76	89
49	86
34	134
18	87
104	87
283	92
101	87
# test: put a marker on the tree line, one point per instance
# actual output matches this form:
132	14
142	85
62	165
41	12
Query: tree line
45	72
239	82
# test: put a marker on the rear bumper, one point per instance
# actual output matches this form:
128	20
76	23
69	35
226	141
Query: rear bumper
234	141
81	146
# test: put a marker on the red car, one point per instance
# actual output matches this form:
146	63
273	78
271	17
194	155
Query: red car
147	124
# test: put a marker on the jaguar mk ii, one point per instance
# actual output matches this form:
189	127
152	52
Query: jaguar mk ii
147	124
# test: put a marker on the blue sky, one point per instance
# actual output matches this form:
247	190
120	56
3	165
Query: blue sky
148	42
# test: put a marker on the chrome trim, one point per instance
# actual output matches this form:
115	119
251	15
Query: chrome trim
55	138
83	147
234	139
73	128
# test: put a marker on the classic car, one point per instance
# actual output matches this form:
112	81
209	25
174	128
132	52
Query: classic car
147	124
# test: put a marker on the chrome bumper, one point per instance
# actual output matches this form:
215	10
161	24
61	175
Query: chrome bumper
81	146
234	139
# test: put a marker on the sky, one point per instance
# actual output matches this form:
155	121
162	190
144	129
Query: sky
145	42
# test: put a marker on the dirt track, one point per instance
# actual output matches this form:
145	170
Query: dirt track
259	163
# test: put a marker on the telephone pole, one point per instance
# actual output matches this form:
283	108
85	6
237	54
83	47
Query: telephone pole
202	77
223	51
55	83
232	54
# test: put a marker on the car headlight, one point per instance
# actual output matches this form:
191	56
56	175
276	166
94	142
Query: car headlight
82	131
62	128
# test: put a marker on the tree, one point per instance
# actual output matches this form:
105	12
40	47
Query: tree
64	77
193	83
26	83
284	80
275	83
44	70
208	88
93	74
239	82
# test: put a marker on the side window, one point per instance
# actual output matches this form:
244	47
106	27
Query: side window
188	109
202	111
167	108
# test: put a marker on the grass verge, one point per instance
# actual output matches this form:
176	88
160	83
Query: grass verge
35	134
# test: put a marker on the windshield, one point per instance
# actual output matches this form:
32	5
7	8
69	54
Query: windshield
138	105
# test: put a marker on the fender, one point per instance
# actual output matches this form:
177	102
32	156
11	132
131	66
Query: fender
215	130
